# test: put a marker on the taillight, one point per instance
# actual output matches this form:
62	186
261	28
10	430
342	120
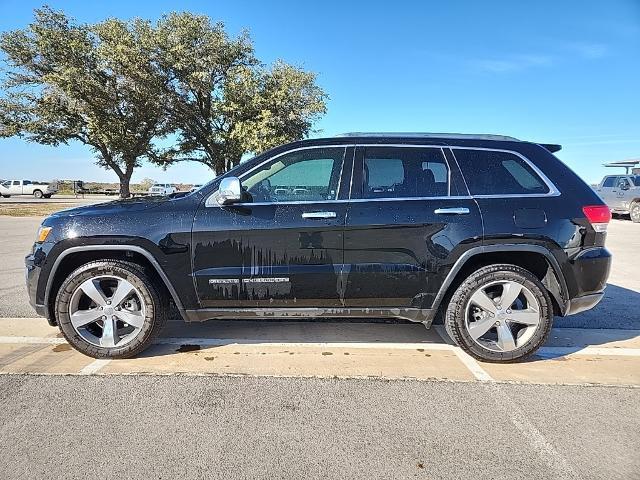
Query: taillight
599	216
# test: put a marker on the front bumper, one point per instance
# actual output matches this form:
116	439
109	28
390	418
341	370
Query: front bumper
33	268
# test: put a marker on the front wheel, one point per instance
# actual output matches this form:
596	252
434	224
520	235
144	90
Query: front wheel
110	309
37	194
634	212
500	313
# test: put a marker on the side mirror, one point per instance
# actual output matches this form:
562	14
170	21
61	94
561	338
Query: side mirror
230	191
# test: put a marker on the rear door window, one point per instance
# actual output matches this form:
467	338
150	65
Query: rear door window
404	172
490	172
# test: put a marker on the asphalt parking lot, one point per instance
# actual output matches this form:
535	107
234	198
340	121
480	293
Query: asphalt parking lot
321	399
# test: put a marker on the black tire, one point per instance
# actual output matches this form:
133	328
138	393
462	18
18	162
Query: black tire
155	315
455	321
634	212
6	196
37	194
47	195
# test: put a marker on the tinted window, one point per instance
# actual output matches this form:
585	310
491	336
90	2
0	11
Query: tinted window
636	180
498	173
609	181
402	172
16	182
304	175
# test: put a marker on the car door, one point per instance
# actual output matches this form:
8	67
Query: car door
283	245
409	218
16	188
607	190
623	185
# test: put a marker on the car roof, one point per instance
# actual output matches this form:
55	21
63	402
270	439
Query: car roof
420	138
414	135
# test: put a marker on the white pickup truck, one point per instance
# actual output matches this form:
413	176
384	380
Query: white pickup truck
622	194
162	189
27	187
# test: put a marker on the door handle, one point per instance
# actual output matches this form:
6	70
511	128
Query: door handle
319	215
452	211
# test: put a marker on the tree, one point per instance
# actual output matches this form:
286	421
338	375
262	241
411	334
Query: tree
96	84
222	101
147	183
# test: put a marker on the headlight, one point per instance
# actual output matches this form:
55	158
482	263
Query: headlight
43	233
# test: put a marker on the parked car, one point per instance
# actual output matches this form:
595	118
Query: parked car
195	187
622	194
491	234
9	188
162	189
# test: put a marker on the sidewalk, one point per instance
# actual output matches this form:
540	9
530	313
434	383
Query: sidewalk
325	349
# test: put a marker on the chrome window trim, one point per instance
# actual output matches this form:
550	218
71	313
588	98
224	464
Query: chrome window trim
352	200
211	201
553	190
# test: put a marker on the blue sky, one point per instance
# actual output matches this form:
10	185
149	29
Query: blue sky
551	71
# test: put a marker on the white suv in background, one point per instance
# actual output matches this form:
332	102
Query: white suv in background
162	189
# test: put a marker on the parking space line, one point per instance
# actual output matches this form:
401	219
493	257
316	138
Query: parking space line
472	365
594	351
95	367
448	346
33	340
546	451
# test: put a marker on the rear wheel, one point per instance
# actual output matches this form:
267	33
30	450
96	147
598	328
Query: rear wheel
634	212
500	313
110	309
37	194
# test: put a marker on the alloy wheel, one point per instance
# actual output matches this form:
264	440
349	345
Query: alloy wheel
502	316
107	311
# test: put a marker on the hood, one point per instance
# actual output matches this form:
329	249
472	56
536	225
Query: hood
127	205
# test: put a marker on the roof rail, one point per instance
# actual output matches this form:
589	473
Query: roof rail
458	136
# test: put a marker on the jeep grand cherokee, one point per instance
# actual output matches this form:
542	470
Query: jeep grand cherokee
491	234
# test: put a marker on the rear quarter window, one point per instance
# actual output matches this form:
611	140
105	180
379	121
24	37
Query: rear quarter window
489	172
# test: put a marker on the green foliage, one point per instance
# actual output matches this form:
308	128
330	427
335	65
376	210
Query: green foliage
223	102
94	84
120	86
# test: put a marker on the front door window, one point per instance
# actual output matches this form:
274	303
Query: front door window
308	175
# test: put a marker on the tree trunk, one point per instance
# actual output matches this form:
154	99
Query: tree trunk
125	191
125	178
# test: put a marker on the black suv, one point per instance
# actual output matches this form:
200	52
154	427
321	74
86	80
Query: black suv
493	235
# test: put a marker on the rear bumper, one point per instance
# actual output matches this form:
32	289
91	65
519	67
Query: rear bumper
584	303
589	274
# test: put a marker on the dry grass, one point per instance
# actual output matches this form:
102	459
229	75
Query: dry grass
32	210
